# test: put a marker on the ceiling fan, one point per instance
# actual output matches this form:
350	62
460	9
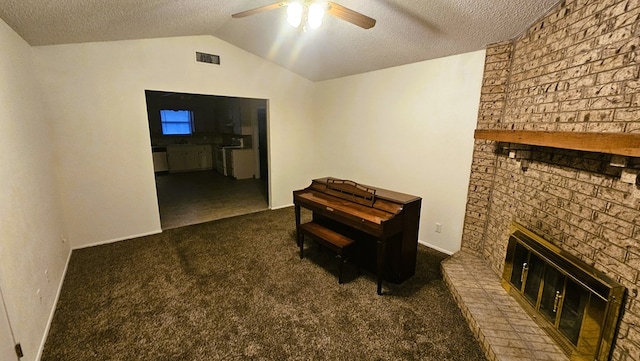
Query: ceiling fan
310	12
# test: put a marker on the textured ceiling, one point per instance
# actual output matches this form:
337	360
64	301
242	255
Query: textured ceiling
406	31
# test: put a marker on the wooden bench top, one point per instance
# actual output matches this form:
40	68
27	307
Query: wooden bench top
326	234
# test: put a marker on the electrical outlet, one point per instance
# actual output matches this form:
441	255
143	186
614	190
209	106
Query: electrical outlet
39	295
63	239
438	227
46	275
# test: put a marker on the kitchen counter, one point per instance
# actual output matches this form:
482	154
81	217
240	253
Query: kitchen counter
189	157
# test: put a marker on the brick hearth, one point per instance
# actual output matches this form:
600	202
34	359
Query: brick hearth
503	329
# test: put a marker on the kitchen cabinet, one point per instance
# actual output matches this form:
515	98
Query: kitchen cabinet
240	163
240	113
182	158
160	163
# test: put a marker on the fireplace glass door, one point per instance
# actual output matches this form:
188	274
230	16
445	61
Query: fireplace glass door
552	294
577	305
573	306
559	299
532	276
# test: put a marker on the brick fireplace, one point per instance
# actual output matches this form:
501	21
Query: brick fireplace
575	70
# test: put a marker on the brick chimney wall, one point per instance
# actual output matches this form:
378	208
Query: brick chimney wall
576	69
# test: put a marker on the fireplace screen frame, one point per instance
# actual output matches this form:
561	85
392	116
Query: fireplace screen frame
600	301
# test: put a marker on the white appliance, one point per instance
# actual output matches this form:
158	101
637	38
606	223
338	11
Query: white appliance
222	154
241	163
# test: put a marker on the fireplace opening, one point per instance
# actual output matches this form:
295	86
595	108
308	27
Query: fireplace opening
576	304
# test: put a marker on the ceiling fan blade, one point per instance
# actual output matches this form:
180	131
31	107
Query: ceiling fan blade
260	9
351	16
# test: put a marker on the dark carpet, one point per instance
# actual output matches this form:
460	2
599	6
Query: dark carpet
236	289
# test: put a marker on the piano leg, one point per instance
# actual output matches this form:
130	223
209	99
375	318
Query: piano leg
380	263
298	238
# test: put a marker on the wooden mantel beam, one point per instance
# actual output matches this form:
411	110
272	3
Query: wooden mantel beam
625	144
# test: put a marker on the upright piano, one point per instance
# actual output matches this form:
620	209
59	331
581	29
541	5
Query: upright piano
384	223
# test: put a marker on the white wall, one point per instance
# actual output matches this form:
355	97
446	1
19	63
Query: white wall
408	129
30	211
94	94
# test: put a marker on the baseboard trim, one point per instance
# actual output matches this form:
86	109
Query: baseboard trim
280	207
117	239
445	251
53	308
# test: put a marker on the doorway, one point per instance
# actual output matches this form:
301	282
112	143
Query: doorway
262	149
208	153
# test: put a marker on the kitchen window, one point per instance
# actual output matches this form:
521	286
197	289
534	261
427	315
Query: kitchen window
176	122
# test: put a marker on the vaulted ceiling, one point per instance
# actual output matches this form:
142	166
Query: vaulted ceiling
406	31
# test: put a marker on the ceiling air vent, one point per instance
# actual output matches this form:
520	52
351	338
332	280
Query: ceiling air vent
207	58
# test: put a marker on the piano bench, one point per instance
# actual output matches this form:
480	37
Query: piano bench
335	241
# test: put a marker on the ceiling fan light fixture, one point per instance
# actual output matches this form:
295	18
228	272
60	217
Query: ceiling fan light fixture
308	14
294	14
316	13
